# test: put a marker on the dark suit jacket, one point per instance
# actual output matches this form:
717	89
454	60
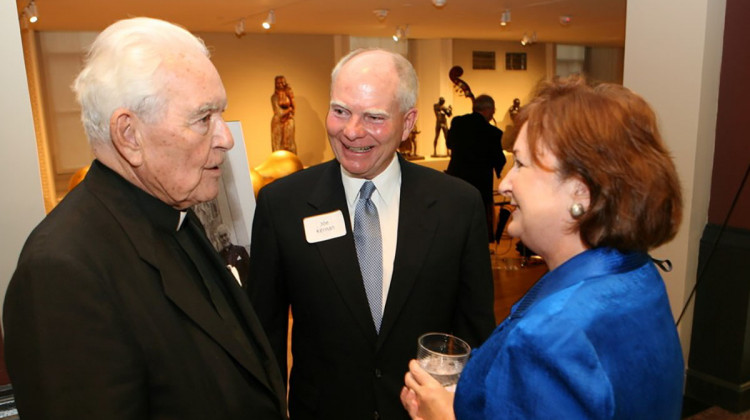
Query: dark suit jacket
105	320
237	257
476	150
442	281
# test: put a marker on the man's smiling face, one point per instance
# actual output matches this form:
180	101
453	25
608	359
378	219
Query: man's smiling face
365	123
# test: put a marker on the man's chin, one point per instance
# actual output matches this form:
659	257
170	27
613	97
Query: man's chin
202	196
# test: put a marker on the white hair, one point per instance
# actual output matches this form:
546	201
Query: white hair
120	69
408	84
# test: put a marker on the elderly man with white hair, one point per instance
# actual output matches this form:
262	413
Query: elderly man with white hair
120	308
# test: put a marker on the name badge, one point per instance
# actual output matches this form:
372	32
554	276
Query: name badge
324	226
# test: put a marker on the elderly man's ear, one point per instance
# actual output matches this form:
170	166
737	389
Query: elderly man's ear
123	128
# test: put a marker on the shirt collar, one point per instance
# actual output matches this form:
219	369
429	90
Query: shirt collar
386	183
162	215
182	219
590	264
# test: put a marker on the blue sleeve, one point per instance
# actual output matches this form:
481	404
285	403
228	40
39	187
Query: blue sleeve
548	371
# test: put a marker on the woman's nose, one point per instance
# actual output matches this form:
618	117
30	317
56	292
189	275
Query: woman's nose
504	188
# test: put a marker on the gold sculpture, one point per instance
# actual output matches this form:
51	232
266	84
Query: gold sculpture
77	177
279	164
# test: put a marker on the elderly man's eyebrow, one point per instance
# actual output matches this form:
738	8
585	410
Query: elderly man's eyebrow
210	107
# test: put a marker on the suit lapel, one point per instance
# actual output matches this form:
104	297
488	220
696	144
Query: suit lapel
340	255
258	334
417	225
267	370
186	295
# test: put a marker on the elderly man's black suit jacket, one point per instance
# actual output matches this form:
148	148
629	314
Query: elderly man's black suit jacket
104	320
442	281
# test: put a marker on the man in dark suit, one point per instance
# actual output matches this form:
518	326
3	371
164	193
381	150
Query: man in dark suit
235	256
476	151
311	250
119	307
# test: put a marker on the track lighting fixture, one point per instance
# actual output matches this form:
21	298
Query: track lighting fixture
30	13
505	18
401	33
380	14
528	39
239	28
397	36
270	20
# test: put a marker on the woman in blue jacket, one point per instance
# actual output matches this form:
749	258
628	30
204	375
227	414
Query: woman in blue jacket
595	189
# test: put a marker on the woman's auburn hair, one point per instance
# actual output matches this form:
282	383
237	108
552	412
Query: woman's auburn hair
606	136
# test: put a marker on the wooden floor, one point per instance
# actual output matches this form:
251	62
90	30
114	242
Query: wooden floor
512	274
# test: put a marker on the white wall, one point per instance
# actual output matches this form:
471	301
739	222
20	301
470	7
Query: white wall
21	198
432	59
673	58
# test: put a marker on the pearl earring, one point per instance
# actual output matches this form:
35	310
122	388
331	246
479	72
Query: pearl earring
576	210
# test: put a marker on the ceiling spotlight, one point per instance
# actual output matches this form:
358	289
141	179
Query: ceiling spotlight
528	40
565	20
381	14
239	28
31	12
505	18
401	33
398	35
439	3
270	20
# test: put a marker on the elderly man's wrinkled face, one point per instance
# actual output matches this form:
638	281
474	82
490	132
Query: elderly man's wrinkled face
182	151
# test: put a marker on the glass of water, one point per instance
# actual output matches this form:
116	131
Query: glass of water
443	356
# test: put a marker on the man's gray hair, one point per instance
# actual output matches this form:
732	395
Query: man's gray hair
408	84
120	70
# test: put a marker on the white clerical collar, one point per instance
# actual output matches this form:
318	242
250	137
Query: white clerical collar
182	219
386	183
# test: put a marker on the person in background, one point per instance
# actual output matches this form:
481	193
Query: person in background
235	256
367	270
595	189
120	307
476	152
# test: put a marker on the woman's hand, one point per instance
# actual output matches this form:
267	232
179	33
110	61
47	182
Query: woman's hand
423	397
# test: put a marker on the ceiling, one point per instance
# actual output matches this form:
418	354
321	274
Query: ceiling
593	22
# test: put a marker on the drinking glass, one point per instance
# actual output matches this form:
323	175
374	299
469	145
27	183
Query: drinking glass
443	356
